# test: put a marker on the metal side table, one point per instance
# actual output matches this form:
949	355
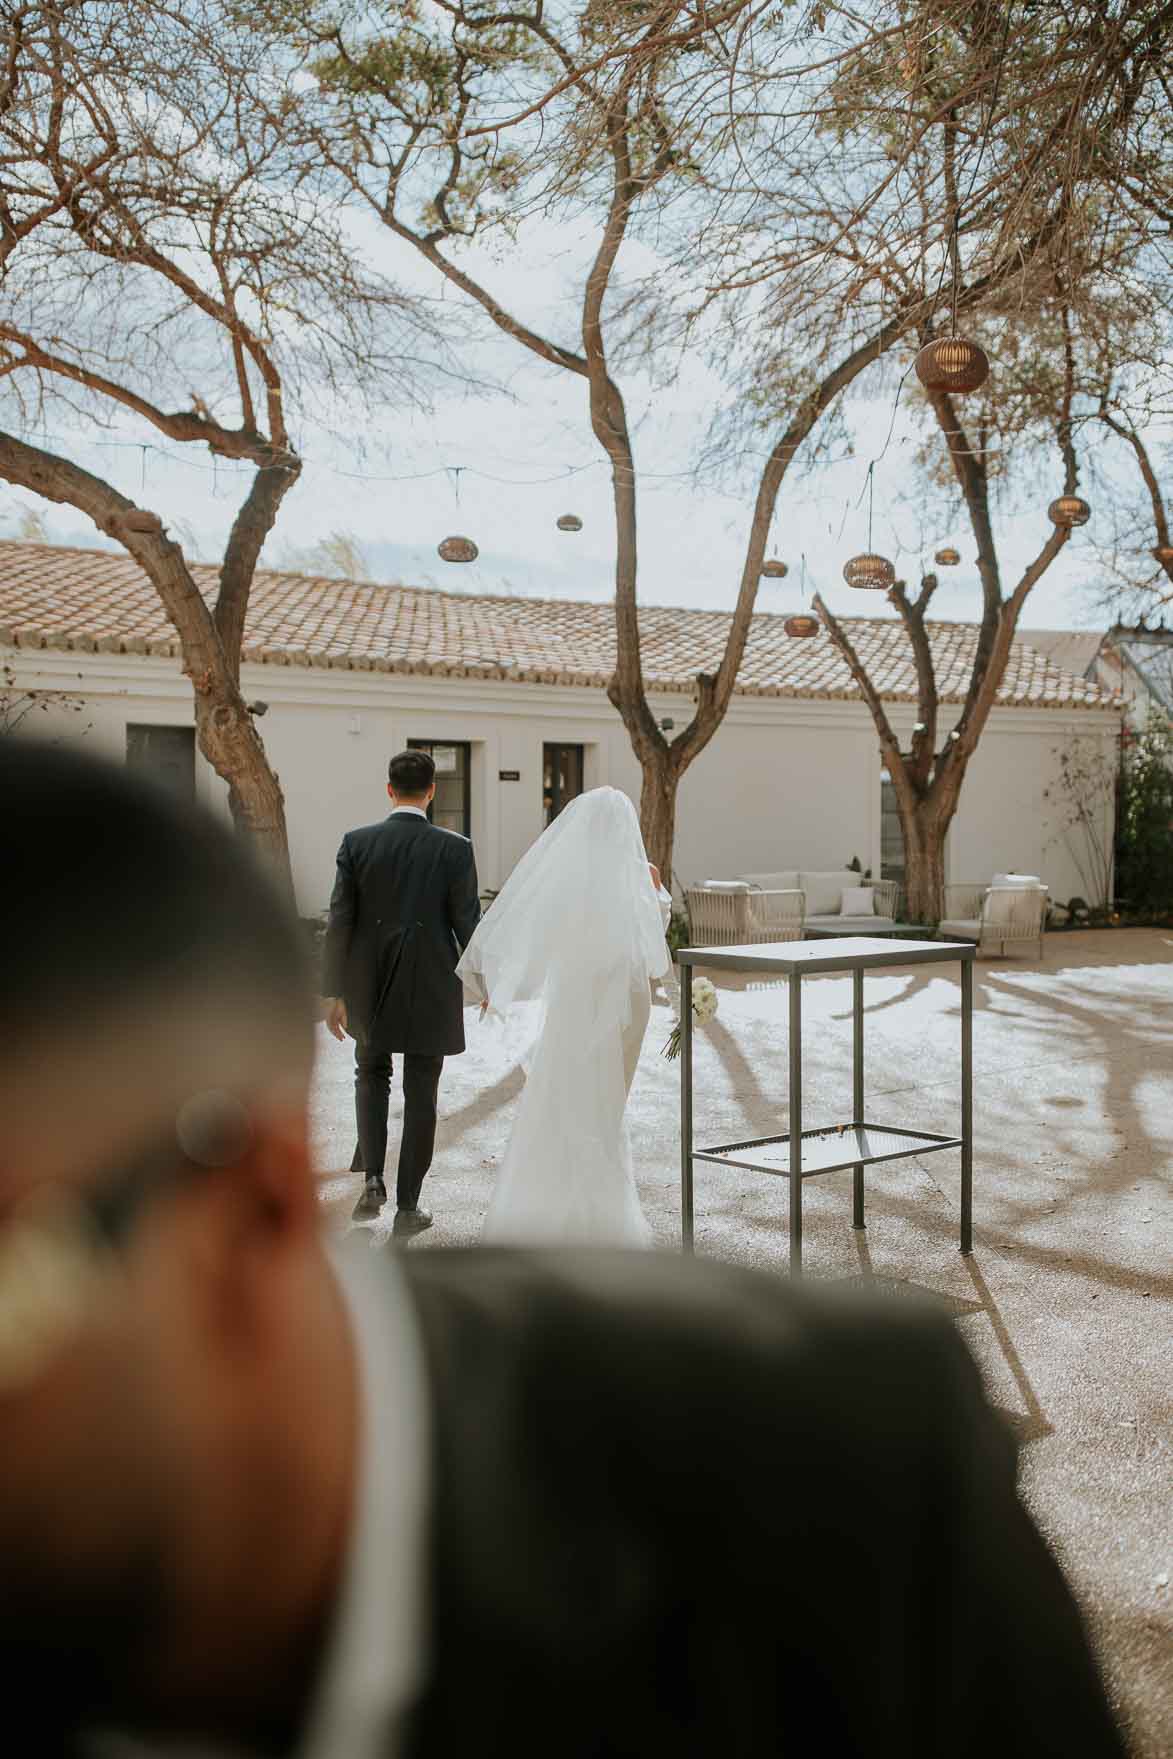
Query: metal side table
803	1154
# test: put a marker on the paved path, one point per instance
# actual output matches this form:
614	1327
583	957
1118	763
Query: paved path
1067	1302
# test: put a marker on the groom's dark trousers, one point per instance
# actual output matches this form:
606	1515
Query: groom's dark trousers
404	906
372	1091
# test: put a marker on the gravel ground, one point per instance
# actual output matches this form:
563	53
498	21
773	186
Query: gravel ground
1067	1302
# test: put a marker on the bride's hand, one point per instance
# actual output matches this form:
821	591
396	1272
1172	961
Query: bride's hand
655	873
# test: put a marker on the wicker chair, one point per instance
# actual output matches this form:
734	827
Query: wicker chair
995	916
738	917
887	897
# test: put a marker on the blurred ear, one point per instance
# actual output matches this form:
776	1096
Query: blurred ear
247	1230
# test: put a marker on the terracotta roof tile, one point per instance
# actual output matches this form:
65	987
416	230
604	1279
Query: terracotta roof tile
99	599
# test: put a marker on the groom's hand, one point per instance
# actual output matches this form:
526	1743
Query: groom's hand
335	1016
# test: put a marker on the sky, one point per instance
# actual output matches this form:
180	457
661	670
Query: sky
501	467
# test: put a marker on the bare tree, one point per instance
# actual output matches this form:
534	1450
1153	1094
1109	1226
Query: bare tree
1120	315
927	778
166	262
1078	136
812	187
1155	589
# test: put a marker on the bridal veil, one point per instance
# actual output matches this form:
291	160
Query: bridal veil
568	950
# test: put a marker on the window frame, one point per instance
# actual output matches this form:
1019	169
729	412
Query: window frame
462	745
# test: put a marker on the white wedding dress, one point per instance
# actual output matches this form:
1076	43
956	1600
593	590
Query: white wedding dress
566	955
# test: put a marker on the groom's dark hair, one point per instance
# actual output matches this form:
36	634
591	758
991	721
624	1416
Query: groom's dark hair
411	772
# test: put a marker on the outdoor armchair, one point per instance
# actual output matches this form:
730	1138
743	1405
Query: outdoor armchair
1005	916
724	913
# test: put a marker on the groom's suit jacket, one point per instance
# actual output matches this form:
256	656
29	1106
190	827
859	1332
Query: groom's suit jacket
404	906
681	1510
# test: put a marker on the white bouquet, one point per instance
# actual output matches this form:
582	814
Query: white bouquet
704	1008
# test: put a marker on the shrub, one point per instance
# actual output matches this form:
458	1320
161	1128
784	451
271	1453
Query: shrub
1144	825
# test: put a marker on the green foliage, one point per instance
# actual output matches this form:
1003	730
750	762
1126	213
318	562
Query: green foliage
679	929
389	66
1144	836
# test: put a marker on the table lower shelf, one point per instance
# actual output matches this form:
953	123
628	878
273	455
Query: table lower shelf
828	1149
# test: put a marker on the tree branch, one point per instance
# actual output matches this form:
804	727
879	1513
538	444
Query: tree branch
250	528
183	425
843	645
1148	476
912	615
58	479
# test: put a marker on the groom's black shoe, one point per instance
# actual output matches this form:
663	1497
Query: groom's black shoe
372	1200
411	1221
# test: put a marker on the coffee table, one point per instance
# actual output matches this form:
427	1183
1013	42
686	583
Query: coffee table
801	1153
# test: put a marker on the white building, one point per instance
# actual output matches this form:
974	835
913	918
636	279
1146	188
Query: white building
510	694
1134	663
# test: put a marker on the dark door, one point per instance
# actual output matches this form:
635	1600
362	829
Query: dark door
165	753
452	806
561	778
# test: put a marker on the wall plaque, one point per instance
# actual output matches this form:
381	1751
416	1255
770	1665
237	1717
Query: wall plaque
509	775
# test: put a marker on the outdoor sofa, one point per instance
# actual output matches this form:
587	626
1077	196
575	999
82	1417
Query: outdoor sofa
785	906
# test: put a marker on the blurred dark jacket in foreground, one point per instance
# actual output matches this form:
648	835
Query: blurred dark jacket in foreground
695	1511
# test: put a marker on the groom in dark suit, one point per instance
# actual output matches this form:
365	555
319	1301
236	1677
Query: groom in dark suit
404	905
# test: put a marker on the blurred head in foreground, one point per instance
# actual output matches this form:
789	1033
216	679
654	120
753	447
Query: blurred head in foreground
164	1298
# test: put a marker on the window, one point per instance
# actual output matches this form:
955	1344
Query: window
452	807
166	754
891	834
561	778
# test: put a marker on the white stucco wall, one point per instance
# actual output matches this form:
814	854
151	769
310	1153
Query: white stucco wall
783	784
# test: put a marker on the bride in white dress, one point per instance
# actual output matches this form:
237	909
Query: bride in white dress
566	954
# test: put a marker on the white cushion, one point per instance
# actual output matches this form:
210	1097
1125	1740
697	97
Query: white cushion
786	881
1020	882
726	886
824	890
858	901
967	929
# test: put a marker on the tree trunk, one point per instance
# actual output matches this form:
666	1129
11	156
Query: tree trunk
657	809
925	826
228	738
225	730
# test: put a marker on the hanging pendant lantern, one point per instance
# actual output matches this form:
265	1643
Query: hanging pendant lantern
952	363
775	570
1068	510
569	522
947	558
869	572
802	627
1163	554
457	549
